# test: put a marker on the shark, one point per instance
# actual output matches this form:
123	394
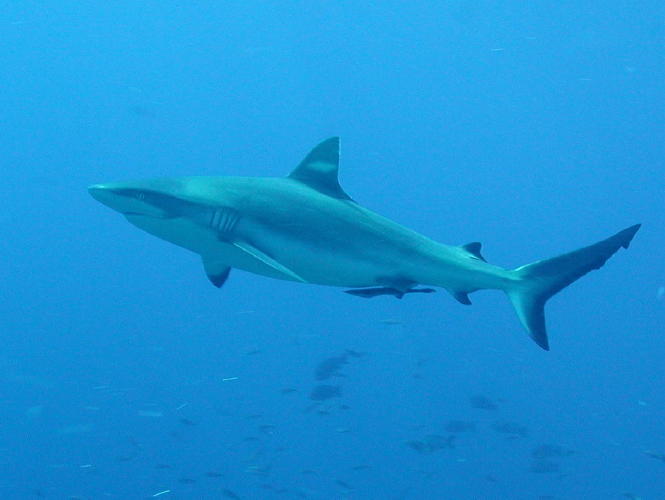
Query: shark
305	228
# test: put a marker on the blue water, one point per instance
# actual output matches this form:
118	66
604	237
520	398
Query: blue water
533	127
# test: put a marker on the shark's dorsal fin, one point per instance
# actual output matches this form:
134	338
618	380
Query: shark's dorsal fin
319	169
474	249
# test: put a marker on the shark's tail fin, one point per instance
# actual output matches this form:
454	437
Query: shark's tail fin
535	283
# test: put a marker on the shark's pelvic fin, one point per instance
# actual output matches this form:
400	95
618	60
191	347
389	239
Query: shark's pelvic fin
461	297
474	249
217	272
368	293
319	169
535	283
266	259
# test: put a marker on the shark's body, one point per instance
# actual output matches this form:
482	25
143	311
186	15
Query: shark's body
305	228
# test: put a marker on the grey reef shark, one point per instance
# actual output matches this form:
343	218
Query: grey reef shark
305	228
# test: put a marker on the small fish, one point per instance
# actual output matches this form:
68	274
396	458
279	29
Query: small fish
354	354
482	403
343	484
323	392
432	443
436	442
459	426
512	428
213	473
230	494
657	456
550	451
391	322
330	367
417	445
544	467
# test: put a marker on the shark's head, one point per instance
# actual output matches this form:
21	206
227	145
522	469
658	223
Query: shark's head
160	198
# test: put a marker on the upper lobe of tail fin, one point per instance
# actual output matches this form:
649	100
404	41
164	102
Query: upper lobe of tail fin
537	282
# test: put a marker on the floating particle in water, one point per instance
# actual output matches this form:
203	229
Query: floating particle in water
150	414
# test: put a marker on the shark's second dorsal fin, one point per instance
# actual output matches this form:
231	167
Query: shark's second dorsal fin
319	169
474	249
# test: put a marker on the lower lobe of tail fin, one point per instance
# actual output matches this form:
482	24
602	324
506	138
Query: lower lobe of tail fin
539	281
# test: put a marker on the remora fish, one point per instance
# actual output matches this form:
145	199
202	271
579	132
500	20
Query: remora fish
305	228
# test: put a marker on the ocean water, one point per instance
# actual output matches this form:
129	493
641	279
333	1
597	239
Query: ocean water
532	127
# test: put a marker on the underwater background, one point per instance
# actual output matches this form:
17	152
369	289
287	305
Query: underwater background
533	127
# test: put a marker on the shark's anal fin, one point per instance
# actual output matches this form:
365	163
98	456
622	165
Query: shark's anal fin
368	293
217	272
473	248
319	169
266	259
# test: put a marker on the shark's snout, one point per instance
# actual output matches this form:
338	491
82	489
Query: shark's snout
103	193
143	198
123	199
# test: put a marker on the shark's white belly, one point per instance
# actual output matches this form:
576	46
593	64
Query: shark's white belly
357	260
337	265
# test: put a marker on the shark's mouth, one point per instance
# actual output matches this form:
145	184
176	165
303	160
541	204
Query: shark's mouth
151	216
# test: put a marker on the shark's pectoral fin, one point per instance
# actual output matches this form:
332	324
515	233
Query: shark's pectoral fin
266	259
319	169
217	272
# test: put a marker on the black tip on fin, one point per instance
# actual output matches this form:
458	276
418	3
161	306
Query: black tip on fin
462	298
627	234
219	279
